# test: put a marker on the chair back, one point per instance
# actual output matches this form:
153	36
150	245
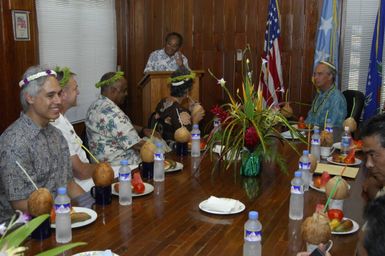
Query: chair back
359	100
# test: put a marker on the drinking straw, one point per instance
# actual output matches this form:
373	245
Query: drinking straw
354	105
177	112
332	194
96	160
326	118
308	139
25	172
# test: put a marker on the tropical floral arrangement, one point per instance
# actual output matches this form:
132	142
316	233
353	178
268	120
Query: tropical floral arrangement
249	128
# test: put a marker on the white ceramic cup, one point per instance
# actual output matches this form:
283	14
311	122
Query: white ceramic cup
336	204
311	247
326	152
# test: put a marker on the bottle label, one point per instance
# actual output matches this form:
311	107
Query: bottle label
195	136
315	141
124	176
329	129
304	166
158	157
253	236
345	141
62	208
217	123
298	190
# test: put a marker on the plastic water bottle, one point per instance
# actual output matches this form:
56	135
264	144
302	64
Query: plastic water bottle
252	236
345	142
296	197
304	167
316	145
63	217
195	141
159	163
125	191
329	126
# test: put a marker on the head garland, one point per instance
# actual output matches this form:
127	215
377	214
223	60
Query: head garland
330	65
179	80
66	75
30	78
118	75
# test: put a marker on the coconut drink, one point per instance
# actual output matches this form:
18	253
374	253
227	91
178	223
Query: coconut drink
340	194
103	175
40	202
182	136
315	230
147	151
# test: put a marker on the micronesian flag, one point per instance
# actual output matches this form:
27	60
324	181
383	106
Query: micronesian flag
328	35
374	80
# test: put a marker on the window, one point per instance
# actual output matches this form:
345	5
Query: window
79	34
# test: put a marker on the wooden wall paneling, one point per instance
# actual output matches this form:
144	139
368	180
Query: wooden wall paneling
187	31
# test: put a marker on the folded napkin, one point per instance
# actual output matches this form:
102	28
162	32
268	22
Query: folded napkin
225	205
350	172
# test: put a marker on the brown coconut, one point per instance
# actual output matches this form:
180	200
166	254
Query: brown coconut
103	175
286	110
197	109
40	202
326	139
351	123
147	151
315	229
313	162
182	135
342	190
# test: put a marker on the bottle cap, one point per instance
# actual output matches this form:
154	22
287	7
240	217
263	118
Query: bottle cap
124	162
328	120
305	152
316	131
253	215
298	174
62	191
196	126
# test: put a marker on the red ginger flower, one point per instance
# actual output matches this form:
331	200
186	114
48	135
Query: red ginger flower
251	138
220	113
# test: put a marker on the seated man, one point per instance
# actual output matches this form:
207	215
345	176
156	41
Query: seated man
36	145
167	110
328	99
169	58
81	167
373	140
111	135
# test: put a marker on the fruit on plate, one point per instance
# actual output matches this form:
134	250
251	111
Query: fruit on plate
342	189
182	135
103	175
325	177
169	164
75	216
349	159
357	144
344	226
317	182
40	202
137	183
334	223
315	229
147	151
335	214
301	123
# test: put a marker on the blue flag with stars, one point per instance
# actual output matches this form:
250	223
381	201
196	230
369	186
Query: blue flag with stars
374	80
328	35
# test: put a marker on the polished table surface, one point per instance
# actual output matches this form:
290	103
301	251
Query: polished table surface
169	221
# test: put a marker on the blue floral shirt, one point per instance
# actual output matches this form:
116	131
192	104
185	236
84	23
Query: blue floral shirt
331	100
160	61
110	132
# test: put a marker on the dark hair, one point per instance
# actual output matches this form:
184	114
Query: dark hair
105	77
181	90
374	240
177	35
375	126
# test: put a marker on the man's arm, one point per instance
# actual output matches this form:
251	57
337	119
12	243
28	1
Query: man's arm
74	190
82	170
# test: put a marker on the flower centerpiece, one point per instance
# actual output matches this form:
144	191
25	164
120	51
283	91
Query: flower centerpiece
249	128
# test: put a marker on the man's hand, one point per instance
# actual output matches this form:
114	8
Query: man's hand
179	59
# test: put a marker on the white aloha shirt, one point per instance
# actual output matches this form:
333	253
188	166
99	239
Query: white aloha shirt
160	61
110	132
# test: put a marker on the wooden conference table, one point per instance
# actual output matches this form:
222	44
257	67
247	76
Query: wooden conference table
169	221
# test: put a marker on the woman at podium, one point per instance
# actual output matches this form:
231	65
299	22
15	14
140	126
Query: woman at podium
171	112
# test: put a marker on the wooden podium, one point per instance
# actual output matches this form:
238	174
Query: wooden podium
155	87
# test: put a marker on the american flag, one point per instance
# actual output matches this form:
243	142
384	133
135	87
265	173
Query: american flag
271	70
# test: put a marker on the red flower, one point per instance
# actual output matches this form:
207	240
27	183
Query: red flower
220	113
251	138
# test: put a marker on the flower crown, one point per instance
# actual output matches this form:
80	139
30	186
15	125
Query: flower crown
30	78
118	75
66	75
330	65
179	80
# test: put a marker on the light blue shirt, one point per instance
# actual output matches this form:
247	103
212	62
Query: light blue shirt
331	100
160	61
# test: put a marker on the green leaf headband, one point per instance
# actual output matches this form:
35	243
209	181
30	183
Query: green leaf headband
66	75
179	80
118	75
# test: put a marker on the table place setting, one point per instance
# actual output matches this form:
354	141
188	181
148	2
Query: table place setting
221	206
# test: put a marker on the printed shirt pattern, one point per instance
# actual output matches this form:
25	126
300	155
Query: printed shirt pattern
110	132
160	61
44	154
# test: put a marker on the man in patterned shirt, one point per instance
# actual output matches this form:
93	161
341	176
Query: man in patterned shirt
169	58
35	144
111	135
328	99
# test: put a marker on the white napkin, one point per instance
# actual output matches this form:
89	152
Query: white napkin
216	204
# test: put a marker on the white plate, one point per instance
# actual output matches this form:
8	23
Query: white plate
94	253
287	135
337	145
148	188
178	167
240	208
322	190
357	162
354	229
90	212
